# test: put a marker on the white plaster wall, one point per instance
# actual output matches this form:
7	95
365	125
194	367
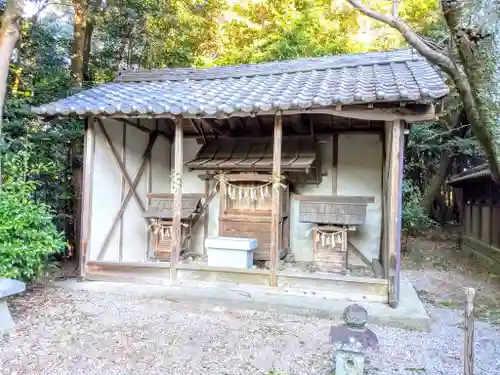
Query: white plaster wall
301	236
359	172
106	190
107	187
360	161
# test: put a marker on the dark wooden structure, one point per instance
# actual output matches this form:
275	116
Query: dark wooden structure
161	210
479	199
299	158
246	211
244	169
332	218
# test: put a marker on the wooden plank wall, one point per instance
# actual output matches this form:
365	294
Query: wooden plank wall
481	230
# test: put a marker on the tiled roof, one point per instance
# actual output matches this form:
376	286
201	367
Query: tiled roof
480	172
392	76
255	155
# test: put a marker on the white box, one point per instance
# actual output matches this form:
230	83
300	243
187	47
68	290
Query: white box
233	252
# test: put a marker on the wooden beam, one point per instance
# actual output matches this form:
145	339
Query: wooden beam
206	213
243	125
123	187
138	126
134	124
491	224
311	127
394	207
354	111
216	128
335	162
121	166
170	133
261	128
470	295
276	196
354	250
377	269
385	201
87	185
177	205
296	123
374	114
128	195
149	187
195	127
199	130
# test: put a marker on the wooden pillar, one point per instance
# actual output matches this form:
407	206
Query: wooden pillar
206	213
492	229
395	147
177	205
123	190
276	197
88	166
470	295
496	224
335	162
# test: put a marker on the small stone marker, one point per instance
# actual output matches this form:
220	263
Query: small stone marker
351	340
8	287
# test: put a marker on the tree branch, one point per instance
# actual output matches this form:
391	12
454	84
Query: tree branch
435	57
444	62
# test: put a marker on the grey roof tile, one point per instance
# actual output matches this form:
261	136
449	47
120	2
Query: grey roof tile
320	82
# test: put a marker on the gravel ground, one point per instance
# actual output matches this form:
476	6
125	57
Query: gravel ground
81	333
61	332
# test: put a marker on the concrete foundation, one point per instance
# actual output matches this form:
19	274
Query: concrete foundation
409	315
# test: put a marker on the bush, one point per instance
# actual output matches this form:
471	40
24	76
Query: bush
415	219
27	231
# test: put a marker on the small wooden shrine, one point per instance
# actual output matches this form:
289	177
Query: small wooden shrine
243	170
332	218
161	211
245	211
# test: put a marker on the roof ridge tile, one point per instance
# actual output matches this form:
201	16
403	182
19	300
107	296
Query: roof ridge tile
270	68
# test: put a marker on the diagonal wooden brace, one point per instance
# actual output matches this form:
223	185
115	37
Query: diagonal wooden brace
122	167
132	184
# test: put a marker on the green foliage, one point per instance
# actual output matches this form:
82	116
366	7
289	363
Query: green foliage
40	74
27	231
415	219
179	33
50	152
428	142
279	30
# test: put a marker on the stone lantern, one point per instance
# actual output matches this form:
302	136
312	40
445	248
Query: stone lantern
351	340
8	287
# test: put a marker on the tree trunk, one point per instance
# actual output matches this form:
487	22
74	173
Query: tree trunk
456	121
86	51
9	33
434	188
475	29
78	50
79	54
